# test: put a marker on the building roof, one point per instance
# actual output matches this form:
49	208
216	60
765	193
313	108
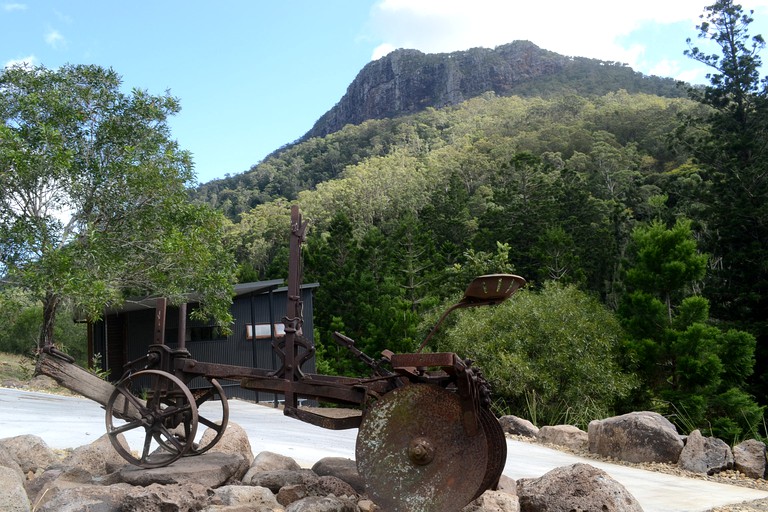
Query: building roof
256	287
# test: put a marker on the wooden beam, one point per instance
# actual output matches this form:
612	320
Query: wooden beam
81	381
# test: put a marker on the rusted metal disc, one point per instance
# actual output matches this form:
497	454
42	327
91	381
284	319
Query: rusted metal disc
497	450
414	455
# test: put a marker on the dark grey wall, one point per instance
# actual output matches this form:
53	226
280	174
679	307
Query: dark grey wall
234	350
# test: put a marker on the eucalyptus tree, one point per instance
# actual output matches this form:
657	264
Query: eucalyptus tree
93	197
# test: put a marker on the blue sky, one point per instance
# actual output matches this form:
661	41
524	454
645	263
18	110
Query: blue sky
254	75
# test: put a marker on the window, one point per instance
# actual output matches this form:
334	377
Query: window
262	331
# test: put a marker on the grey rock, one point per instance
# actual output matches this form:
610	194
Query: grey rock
29	451
563	435
749	458
507	485
244	495
636	437
268	461
494	501
332	485
518	426
579	487
368	506
7	460
13	497
275	480
243	508
99	457
323	504
210	469
342	468
291	493
34	486
93	498
705	454
234	441
165	498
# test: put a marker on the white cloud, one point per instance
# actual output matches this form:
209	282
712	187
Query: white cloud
29	61
55	39
692	76
14	7
664	67
382	50
588	28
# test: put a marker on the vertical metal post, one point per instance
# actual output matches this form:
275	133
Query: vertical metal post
293	320
273	337
182	336
160	321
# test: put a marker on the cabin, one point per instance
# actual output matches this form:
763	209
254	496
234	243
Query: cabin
124	334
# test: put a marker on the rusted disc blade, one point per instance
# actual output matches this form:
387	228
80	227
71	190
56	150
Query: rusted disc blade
414	455
497	450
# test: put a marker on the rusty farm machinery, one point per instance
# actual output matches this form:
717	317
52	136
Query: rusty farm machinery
427	440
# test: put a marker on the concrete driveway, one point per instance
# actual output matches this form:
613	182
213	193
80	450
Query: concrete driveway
68	422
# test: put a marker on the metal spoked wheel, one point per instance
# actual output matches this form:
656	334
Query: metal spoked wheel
414	455
214	416
155	432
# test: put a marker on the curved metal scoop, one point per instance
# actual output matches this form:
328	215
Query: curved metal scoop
485	290
491	289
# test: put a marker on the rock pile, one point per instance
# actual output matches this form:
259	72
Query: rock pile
648	437
95	478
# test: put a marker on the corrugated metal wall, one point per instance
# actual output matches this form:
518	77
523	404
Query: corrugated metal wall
234	350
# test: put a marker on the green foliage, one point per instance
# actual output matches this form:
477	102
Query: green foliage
93	196
21	321
691	371
666	260
728	142
554	352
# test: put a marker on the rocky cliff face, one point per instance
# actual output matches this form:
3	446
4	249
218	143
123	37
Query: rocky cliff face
408	81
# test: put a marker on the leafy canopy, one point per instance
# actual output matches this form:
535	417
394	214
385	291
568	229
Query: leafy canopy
93	198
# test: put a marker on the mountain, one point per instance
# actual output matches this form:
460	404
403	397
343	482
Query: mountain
409	81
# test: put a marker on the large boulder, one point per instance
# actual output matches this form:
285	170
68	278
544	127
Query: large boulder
258	498
234	440
279	478
749	458
7	460
165	498
104	498
516	426
268	461
705	454
13	497
323	504
343	469
209	469
494	501
98	458
563	435
636	437
576	487
29	451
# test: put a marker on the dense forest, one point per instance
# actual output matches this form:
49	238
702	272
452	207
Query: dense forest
639	221
636	219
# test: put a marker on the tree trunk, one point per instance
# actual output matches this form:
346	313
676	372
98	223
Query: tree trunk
50	307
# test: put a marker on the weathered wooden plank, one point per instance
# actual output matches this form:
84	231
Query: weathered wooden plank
81	381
